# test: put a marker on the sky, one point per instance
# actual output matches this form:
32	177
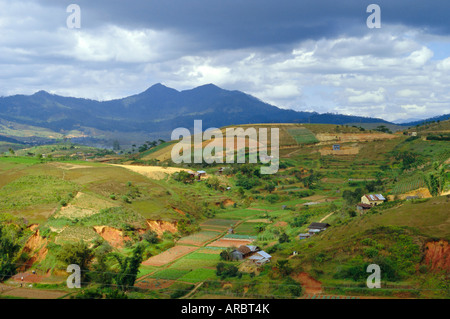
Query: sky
306	55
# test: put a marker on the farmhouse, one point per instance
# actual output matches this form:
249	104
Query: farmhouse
304	236
373	199
260	258
244	251
200	174
362	208
317	227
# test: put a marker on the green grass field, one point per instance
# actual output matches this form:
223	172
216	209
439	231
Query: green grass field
198	275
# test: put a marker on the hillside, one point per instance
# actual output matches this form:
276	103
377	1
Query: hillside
183	224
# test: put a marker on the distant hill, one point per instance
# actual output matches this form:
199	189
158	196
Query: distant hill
156	112
420	122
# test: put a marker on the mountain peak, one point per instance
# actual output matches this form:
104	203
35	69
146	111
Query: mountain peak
41	93
158	88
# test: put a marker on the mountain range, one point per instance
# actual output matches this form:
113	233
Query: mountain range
154	113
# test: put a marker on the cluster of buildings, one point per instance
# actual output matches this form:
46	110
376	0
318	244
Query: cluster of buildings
313	229
198	175
253	253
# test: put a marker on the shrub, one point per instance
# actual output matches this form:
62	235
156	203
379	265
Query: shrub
224	271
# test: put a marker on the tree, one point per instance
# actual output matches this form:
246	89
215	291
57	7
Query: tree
284	269
129	268
284	238
226	254
151	236
79	254
223	270
11	151
213	182
183	177
270	187
435	180
8	255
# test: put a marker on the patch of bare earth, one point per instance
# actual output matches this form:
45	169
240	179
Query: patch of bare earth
437	255
113	236
150	283
30	293
229	242
153	172
309	284
36	248
161	226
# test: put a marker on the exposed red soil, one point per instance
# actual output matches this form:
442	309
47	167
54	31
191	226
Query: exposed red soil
161	226
28	277
226	203
309	284
113	236
179	211
437	255
36	247
281	224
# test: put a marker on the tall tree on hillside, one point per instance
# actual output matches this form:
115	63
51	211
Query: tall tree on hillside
129	268
435	180
8	254
78	254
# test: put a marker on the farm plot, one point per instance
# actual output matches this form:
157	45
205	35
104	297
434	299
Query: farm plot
220	225
230	242
198	275
75	234
246	229
409	184
169	255
169	274
303	136
238	214
200	238
151	283
196	260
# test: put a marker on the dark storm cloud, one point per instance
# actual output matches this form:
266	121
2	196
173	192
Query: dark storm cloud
233	24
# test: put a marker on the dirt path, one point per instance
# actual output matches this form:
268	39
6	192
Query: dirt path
192	291
326	217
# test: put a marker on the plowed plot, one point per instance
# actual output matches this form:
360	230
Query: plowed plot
224	242
149	283
28	293
199	238
169	255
